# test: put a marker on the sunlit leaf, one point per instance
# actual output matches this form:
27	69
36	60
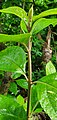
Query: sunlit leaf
23	26
30	14
38	110
22	38
50	68
20	100
45	13
41	24
18	11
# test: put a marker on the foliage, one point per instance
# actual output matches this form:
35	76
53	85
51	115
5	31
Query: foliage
22	83
37	66
47	94
13	59
50	68
10	64
10	24
10	109
45	3
13	88
22	38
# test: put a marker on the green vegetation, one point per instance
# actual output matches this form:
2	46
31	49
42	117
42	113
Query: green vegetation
17	61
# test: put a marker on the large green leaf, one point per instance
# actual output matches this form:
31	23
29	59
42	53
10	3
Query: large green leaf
13	59
41	24
45	13
18	11
50	68
10	109
22	38
47	94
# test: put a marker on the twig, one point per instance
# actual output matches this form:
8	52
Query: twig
25	77
54	33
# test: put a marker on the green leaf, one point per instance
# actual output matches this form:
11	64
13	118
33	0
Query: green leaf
45	13
30	14
13	59
18	11
34	98
20	100
15	75
22	83
41	24
22	38
23	26
13	88
38	110
50	68
10	109
47	94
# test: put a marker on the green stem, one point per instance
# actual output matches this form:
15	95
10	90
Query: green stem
29	81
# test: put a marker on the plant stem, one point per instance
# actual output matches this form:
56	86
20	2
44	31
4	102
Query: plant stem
25	77
29	80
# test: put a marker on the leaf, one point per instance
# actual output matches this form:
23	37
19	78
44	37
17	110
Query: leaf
30	14
23	26
22	83
38	110
13	59
47	94
41	24
20	100
10	109
34	98
13	88
22	38
50	68
18	11
15	75
45	13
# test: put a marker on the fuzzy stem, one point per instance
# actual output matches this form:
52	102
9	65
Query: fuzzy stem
29	80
